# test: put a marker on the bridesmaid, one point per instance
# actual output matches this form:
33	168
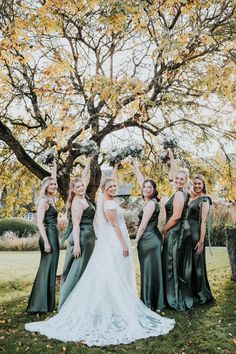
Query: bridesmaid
149	244
81	240
42	298
177	247
198	214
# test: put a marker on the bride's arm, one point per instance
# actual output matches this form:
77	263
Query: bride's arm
114	173
112	217
138	173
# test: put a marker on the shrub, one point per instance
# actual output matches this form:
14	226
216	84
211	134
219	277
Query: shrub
19	226
131	220
11	242
223	217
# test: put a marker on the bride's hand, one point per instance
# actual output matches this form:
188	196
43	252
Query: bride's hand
170	154
125	251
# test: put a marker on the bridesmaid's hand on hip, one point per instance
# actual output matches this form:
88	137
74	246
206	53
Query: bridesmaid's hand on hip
76	251
47	247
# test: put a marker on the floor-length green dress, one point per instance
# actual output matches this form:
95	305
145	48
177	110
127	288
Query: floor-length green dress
149	253
177	260
200	285
74	267
42	298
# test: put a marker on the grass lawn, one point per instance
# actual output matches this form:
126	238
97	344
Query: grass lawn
206	329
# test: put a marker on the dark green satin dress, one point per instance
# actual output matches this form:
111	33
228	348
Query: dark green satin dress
74	267
149	253
177	260
42	298
200	285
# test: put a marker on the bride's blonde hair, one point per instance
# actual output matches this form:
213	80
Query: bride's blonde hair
105	181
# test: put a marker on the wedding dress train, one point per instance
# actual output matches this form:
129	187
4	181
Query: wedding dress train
103	308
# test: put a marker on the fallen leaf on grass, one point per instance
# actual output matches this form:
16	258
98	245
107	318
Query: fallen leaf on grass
234	341
26	349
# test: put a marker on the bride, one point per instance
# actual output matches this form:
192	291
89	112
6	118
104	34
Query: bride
103	308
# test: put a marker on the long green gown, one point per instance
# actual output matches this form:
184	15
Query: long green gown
149	253
200	285
42	298
74	267
177	260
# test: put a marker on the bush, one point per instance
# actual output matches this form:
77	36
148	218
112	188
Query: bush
222	218
131	220
11	242
19	226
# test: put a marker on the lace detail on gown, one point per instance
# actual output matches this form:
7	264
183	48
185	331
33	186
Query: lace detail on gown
110	204
103	307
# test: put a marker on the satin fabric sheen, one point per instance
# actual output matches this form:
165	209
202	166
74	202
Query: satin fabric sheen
149	253
42	297
200	284
74	267
177	260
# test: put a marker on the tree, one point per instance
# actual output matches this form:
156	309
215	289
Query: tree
17	198
72	70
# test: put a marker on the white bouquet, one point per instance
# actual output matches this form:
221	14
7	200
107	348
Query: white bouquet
116	155
88	147
48	156
169	142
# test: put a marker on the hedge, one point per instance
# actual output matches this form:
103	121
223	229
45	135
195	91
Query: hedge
19	226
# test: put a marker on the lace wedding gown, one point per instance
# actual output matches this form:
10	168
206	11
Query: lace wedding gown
103	308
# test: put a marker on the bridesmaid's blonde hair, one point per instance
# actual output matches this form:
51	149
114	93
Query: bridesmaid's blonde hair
71	194
43	191
184	171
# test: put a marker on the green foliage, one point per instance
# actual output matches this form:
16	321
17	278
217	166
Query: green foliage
20	227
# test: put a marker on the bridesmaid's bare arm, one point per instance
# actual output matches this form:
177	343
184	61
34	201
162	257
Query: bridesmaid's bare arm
54	170
178	205
86	171
41	210
173	165
76	214
204	215
148	211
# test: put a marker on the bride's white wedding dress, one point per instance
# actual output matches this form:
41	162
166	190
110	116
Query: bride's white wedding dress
103	307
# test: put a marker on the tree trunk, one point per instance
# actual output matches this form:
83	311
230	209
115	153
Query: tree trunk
231	247
95	178
63	181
